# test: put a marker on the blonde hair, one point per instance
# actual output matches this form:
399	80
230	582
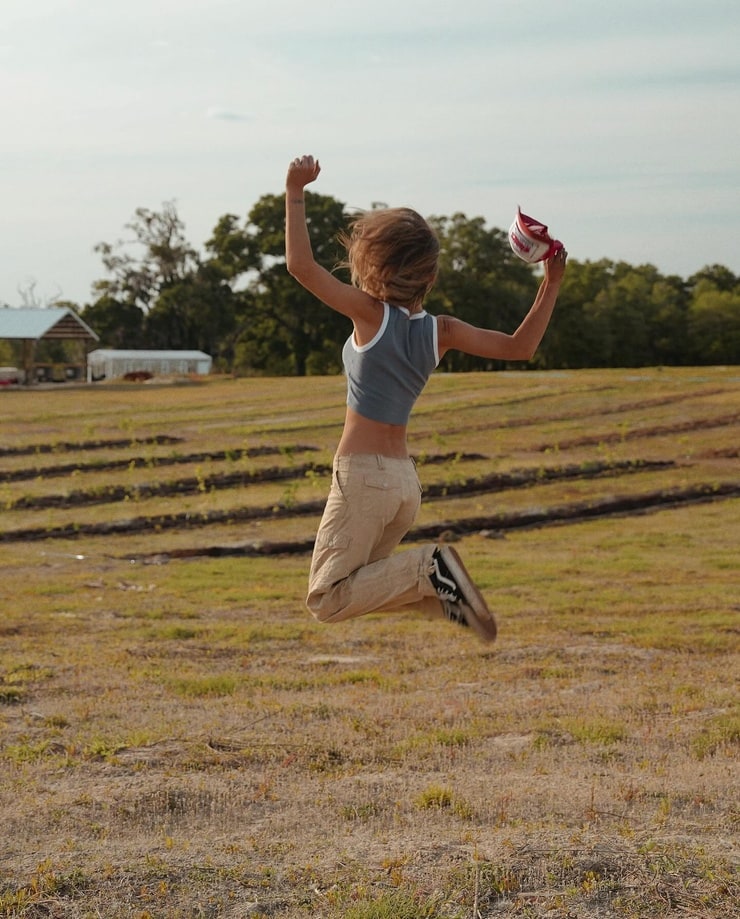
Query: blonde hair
392	254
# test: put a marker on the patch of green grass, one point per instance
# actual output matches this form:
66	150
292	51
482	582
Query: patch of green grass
254	584
352	677
599	731
722	732
435	797
203	687
10	695
176	633
360	812
18	682
27	674
30	752
393	905
581	729
101	748
45	883
442	798
436	737
271	630
233	635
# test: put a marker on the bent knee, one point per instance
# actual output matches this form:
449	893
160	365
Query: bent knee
321	606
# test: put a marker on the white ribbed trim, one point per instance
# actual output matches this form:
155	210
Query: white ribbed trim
378	335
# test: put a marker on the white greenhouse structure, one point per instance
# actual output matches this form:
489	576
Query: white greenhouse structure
111	363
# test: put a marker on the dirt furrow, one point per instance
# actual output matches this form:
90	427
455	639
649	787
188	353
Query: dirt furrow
621	504
64	446
141	462
201	484
575	512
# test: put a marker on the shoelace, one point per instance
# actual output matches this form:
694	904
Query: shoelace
447	588
449	596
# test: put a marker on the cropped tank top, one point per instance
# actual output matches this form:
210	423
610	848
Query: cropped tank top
386	376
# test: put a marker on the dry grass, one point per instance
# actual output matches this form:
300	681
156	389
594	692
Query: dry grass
178	738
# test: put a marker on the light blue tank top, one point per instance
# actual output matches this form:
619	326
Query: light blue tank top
386	376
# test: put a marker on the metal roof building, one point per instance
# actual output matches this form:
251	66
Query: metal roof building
110	363
33	325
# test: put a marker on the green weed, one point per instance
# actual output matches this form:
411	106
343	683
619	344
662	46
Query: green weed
393	905
600	731
10	695
722	732
440	798
360	812
202	687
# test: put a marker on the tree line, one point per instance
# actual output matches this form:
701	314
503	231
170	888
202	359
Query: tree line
237	302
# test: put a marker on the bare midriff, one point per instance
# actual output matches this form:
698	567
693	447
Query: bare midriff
362	435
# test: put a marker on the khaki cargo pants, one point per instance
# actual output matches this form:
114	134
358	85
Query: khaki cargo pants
372	504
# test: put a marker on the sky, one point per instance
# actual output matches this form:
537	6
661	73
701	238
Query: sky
617	124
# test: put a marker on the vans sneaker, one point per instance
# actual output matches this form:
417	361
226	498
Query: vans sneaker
461	600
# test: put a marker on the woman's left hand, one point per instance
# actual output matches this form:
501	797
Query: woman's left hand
555	266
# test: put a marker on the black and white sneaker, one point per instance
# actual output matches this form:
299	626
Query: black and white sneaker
461	600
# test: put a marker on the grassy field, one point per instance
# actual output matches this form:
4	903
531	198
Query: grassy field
179	738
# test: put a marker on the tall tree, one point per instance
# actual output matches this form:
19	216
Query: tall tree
573	338
118	323
480	281
722	278
669	321
714	324
238	302
289	330
161	258
233	250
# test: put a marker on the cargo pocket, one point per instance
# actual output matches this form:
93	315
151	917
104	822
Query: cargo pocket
380	490
338	542
329	564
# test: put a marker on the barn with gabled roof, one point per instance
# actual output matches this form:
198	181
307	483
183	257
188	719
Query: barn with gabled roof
32	326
